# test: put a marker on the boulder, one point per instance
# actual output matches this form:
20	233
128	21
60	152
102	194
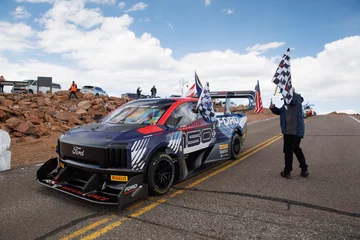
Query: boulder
73	108
6	103
88	96
26	128
3	115
84	105
97	107
97	101
34	119
65	116
13	122
81	112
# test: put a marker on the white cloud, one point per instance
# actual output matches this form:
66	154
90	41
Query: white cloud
170	25
121	5
36	1
110	2
207	3
20	13
228	11
260	48
137	7
15	37
145	19
104	51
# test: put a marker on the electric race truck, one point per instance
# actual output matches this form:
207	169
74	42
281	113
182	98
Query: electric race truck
143	147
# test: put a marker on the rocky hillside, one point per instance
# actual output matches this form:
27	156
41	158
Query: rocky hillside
36	115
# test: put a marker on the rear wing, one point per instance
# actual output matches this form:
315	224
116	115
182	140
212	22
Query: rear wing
228	95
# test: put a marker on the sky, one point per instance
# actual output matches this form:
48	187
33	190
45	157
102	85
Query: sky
120	45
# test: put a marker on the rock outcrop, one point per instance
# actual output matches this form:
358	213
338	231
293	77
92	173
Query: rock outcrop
37	114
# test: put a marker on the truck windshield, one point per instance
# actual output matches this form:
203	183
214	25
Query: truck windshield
136	115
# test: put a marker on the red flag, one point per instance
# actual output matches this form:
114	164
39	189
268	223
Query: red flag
191	92
258	106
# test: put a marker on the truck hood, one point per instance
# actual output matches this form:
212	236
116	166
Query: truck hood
102	135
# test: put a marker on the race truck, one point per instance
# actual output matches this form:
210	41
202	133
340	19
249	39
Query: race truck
143	147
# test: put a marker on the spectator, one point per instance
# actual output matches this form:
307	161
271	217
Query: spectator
138	92
2	79
153	92
73	90
292	128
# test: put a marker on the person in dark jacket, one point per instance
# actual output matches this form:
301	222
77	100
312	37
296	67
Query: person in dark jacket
138	92
293	129
153	92
2	79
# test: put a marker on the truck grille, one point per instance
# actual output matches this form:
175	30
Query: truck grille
112	157
117	157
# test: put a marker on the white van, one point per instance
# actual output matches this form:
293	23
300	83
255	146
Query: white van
32	87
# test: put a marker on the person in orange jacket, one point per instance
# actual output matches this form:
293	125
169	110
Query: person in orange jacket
73	90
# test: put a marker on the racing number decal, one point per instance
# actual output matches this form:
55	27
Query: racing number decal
196	140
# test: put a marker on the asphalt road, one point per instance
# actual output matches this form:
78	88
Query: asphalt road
243	199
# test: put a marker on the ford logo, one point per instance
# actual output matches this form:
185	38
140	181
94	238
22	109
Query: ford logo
78	151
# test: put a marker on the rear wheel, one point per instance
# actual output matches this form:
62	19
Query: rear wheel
235	146
161	173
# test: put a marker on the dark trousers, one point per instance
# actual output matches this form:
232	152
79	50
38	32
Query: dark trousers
72	93
1	88
292	145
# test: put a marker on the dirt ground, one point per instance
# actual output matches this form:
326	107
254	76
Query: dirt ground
34	151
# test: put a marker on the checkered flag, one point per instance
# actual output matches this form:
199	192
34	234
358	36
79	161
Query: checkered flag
205	106
282	78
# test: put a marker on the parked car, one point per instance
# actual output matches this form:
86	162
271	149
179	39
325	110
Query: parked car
133	96
32	87
143	146
97	91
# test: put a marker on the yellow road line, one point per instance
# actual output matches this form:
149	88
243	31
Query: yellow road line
225	163
87	228
105	229
153	205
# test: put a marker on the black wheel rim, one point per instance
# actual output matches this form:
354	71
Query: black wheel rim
162	175
236	146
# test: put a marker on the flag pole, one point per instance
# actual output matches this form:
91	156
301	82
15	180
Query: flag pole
275	90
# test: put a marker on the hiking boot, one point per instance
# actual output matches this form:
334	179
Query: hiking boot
304	173
285	175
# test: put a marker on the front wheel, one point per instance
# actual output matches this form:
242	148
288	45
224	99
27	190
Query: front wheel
235	146
161	173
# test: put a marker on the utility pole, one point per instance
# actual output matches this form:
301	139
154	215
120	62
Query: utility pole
182	83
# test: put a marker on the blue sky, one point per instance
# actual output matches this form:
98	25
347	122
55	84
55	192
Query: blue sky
188	35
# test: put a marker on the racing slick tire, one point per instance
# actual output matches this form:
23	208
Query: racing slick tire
161	174
235	146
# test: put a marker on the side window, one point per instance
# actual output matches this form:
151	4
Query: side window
185	111
34	83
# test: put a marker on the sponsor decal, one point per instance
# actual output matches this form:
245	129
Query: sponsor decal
228	121
224	151
61	165
130	189
119	178
78	192
197	139
78	151
223	146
